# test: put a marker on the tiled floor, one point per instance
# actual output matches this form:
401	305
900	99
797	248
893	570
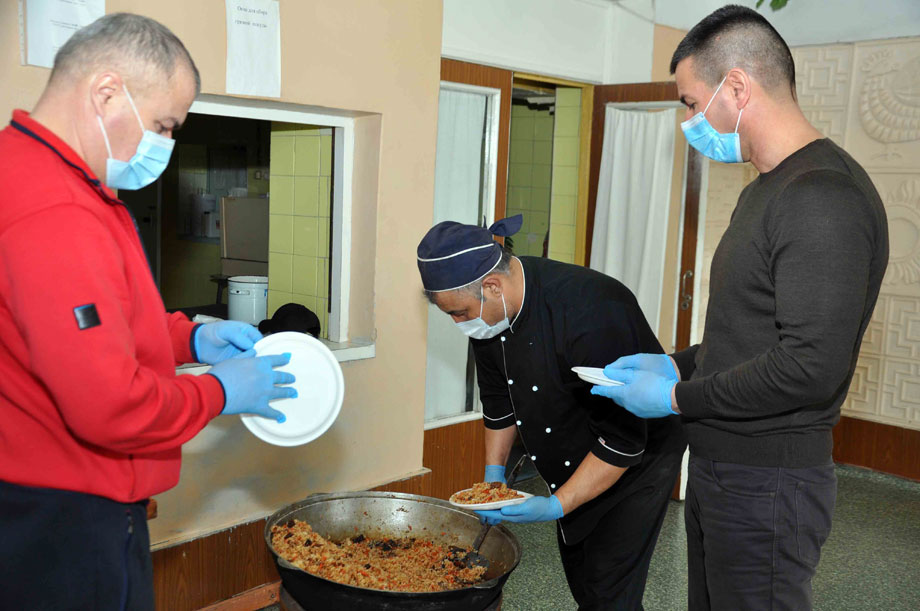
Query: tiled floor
870	562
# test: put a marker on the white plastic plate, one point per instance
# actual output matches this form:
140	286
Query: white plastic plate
320	391
493	504
595	375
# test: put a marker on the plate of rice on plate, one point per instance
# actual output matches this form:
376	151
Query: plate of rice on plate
488	495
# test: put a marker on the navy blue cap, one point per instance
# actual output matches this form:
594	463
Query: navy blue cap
452	255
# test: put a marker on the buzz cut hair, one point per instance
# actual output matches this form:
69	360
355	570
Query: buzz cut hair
130	43
738	37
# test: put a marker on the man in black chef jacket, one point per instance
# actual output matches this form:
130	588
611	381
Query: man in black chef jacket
531	320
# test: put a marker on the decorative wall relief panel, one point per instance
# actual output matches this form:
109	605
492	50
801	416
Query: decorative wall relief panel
866	97
822	79
822	75
902	333
903	208
883	128
830	122
863	399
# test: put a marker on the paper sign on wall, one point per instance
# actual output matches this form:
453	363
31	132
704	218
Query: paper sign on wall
254	47
51	23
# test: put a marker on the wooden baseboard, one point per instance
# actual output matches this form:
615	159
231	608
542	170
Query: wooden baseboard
256	598
876	446
232	570
456	455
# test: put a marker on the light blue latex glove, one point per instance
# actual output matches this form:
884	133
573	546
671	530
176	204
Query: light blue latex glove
250	382
218	341
534	509
654	363
645	394
495	473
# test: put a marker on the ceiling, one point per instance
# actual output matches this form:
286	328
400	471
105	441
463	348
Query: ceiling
801	22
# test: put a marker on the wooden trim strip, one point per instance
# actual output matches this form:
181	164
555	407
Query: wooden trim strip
256	598
456	455
880	447
539	78
584	175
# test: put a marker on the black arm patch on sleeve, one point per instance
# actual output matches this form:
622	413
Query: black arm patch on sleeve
87	316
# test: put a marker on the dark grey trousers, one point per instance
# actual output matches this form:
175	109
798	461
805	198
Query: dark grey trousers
754	534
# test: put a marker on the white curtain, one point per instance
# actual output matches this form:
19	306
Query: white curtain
457	186
633	198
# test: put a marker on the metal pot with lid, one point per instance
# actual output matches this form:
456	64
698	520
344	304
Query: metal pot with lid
339	516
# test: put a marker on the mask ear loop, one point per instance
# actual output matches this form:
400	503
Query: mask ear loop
104	135
739	120
714	94
134	108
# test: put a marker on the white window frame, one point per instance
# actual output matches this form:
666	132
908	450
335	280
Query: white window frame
489	186
343	171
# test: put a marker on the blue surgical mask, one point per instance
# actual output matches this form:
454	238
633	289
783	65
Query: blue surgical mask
480	329
703	137
149	160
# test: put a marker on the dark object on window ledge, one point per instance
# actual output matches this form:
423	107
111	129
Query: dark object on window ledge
291	317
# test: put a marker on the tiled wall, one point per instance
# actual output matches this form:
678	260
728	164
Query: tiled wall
529	176
563	207
865	97
300	215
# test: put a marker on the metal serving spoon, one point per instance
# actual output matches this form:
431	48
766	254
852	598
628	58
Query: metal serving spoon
474	558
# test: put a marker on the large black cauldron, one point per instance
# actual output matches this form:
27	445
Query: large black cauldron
388	514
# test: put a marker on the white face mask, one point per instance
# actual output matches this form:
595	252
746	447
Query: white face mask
480	329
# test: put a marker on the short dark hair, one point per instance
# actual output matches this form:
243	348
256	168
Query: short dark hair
127	40
738	37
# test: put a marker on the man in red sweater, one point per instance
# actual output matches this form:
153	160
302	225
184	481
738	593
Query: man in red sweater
92	414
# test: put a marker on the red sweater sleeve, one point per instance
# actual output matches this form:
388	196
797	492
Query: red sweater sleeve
113	383
180	332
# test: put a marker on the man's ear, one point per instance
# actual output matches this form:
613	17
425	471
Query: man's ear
103	88
739	83
493	285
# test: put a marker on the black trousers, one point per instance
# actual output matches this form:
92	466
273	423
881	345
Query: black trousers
64	550
754	534
608	568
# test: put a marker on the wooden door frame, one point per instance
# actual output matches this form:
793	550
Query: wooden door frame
665	91
582	202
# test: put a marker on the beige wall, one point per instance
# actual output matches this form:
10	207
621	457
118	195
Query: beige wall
664	43
366	56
